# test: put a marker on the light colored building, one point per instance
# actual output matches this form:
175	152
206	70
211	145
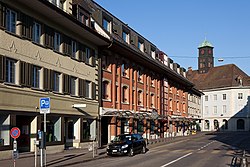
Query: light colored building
226	88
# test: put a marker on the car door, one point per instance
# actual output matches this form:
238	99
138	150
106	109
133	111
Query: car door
135	143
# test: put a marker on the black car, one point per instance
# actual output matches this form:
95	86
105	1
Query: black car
127	144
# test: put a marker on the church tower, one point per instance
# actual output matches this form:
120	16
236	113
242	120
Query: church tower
206	58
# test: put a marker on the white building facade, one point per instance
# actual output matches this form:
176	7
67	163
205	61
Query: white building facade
226	109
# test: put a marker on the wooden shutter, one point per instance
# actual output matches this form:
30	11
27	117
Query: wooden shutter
48	79
22	73
93	86
2	68
2	15
82	88
66	45
28	71
81	53
66	84
49	37
92	52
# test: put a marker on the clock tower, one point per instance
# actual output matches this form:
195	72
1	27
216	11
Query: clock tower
206	58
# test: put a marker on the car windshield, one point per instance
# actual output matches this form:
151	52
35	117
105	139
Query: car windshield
122	138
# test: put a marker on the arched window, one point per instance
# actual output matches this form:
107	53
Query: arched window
140	99
124	94
106	90
216	124
225	126
152	100
240	124
206	124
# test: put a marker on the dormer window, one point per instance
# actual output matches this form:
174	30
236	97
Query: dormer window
125	36
106	24
153	53
141	45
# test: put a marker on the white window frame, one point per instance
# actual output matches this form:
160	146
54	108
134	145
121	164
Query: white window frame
73	48
88	89
106	24
36	78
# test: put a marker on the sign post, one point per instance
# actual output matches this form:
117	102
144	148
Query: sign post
15	133
44	109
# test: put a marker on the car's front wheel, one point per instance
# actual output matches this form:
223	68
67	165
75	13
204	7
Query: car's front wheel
131	152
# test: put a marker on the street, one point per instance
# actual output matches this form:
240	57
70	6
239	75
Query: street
200	150
203	151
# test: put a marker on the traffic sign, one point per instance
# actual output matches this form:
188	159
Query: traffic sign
45	105
15	132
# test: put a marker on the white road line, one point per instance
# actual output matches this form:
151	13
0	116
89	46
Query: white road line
177	159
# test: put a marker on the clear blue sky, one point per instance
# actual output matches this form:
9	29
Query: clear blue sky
177	27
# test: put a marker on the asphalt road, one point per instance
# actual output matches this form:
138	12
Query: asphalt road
197	151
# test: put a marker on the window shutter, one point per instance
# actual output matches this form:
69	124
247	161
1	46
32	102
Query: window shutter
92	52
65	83
2	15
80	53
51	80
22	73
84	53
48	79
28	74
2	68
49	37
81	87
93	86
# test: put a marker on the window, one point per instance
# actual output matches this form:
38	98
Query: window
152	100
153	54
84	18
125	94
88	89
36	32
124	70
224	109
53	129
4	130
57	41
139	76
240	95
73	49
141	45
72	85
215	97
125	36
206	98
140	98
56	81
10	70
106	25
206	109
215	109
224	96
88	55
105	63
207	124
106	90
11	18
36	77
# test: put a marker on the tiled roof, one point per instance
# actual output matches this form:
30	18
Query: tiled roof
218	77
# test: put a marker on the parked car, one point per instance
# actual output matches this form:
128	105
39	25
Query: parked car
127	144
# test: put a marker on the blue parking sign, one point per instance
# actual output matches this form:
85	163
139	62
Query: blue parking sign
45	105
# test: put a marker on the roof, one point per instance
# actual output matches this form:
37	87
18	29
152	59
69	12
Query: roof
205	43
219	77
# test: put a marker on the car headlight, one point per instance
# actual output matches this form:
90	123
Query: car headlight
124	146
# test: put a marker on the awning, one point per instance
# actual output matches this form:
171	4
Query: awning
119	113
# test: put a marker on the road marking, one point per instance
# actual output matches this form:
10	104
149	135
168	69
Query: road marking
177	159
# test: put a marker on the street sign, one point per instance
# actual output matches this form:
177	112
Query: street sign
15	132
45	105
15	155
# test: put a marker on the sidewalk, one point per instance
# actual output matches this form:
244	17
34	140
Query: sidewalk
78	156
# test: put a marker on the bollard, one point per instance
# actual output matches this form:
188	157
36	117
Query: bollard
244	160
